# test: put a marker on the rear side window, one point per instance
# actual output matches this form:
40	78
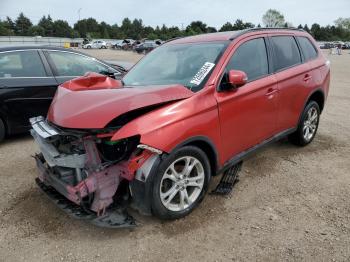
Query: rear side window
286	52
251	58
21	64
308	49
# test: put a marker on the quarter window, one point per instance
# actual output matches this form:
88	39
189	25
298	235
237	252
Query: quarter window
307	48
70	64
251	58
286	52
21	64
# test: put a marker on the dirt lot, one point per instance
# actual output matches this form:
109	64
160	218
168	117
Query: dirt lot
290	204
108	54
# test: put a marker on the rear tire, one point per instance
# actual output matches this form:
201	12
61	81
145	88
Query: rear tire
308	125
180	183
2	130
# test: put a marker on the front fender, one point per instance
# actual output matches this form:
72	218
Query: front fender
169	126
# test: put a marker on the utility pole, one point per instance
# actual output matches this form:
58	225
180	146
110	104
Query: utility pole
79	14
79	20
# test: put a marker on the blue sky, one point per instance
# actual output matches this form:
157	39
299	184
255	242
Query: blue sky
179	12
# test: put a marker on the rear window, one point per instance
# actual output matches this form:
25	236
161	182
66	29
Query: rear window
286	52
21	64
308	49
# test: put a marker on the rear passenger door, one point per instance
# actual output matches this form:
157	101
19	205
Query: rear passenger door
293	78
315	63
27	87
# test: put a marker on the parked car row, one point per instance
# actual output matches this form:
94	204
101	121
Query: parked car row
145	47
124	44
99	44
140	46
328	45
29	76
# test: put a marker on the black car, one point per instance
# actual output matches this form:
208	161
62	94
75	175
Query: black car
146	47
29	76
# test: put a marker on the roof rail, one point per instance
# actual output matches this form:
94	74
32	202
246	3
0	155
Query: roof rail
172	39
267	29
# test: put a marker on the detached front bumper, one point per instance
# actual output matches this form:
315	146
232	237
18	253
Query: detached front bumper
68	199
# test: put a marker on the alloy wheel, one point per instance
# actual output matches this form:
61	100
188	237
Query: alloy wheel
182	183
310	124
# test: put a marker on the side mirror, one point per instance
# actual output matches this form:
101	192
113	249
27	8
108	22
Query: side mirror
237	78
112	73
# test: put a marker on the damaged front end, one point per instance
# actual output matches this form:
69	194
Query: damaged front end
87	174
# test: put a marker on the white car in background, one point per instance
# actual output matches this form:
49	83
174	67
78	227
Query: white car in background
96	44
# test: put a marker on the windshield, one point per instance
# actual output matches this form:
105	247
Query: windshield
186	64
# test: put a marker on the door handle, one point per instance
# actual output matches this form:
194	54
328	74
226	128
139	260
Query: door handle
307	77
271	91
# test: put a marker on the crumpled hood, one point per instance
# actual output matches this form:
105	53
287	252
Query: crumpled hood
94	100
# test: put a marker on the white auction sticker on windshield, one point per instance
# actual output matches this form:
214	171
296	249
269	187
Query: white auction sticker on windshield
202	73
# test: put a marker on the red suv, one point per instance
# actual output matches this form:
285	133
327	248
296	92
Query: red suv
191	109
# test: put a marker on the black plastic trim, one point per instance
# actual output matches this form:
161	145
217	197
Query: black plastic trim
308	98
264	29
201	139
141	192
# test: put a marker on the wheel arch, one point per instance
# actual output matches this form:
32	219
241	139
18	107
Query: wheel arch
207	146
318	96
142	191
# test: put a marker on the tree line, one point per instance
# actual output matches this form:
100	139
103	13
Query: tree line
135	29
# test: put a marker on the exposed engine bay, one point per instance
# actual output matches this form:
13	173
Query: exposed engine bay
89	169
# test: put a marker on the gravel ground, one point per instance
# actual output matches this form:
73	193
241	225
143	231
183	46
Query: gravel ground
290	204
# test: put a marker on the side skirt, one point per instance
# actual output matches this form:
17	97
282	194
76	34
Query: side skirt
239	157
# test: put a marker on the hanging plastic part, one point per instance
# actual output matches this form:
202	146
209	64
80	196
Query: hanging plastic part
115	216
228	180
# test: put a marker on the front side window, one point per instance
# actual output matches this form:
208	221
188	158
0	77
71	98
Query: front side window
251	58
286	52
307	48
186	64
21	64
71	64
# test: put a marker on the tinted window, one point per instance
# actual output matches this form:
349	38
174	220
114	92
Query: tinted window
251	58
70	64
21	64
286	52
307	48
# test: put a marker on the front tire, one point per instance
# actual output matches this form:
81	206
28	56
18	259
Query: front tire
308	125
180	183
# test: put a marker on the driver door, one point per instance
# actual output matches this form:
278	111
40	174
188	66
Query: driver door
248	114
